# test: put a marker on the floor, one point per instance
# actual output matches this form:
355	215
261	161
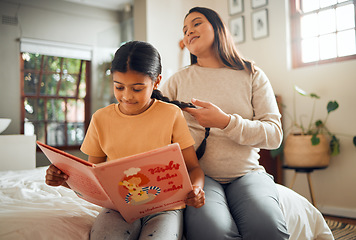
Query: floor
340	219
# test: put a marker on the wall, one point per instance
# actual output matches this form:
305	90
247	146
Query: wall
334	186
51	20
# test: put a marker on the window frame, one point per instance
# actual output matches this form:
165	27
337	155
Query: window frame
296	39
86	99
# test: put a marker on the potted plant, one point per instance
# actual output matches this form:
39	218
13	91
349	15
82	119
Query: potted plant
311	145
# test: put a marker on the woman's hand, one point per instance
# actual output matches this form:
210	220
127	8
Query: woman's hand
208	115
55	177
196	198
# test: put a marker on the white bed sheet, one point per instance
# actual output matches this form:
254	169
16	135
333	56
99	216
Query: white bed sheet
304	221
29	209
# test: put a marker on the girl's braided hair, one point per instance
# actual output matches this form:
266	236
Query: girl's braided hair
159	96
143	58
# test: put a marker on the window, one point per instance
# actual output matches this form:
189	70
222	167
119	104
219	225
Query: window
55	99
323	31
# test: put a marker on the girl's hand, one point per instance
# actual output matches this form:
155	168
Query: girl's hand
208	115
55	177
196	198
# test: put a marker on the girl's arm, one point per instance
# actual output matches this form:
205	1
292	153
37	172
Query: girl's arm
96	160
195	198
55	177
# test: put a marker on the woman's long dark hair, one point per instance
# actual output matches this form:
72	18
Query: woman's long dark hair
143	58
223	44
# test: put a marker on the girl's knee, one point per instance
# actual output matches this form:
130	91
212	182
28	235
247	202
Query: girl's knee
109	224
166	225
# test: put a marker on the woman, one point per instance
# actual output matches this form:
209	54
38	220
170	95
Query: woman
235	99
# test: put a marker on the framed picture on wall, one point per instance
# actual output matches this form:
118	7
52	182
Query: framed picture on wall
258	3
237	29
235	6
260	24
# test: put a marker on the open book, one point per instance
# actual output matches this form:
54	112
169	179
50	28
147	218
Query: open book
136	186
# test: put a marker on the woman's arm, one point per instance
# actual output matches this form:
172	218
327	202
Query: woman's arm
261	129
195	198
265	132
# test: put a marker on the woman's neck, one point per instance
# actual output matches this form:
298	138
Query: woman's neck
209	62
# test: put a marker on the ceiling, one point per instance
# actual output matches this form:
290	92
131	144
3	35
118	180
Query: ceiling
107	4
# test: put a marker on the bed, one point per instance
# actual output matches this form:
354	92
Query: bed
29	209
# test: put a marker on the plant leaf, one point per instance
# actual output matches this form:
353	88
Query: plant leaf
332	105
334	146
300	91
275	152
304	93
313	95
354	141
315	140
319	123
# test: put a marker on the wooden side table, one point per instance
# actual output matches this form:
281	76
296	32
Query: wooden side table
308	171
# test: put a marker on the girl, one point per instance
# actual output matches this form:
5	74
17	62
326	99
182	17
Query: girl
138	123
241	198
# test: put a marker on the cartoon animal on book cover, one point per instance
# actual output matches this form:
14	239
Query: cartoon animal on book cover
137	194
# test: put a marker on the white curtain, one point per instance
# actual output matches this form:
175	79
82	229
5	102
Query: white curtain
58	49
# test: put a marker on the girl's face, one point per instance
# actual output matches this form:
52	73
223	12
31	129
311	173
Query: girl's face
133	91
198	35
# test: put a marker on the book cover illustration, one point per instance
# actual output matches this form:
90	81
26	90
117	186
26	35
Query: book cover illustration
146	184
136	186
136	194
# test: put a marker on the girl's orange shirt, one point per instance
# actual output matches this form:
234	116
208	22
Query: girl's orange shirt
117	135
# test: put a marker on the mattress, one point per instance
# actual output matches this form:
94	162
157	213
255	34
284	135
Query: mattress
30	209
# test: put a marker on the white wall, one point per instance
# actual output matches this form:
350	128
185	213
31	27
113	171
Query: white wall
334	187
51	20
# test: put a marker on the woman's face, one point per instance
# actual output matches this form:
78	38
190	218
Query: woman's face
198	35
133	91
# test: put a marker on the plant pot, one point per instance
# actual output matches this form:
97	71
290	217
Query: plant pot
299	151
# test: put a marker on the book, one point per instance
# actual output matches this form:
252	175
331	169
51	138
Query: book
136	186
